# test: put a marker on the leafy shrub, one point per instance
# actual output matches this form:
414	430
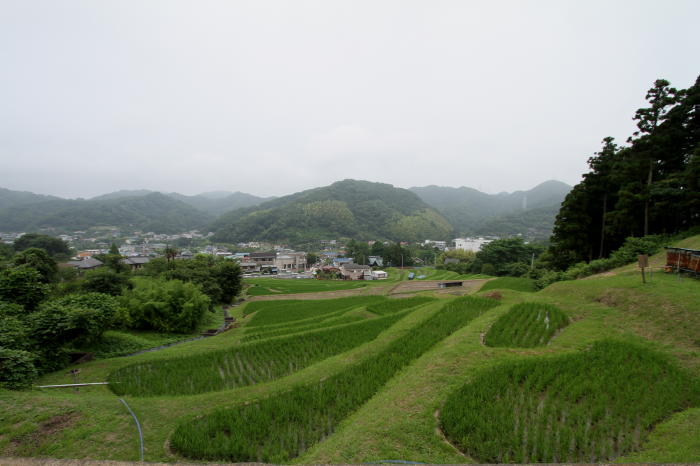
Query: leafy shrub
22	285
165	306
17	369
105	281
13	333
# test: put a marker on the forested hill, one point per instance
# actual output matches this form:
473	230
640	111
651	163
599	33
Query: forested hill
470	211
153	212
349	208
214	203
10	198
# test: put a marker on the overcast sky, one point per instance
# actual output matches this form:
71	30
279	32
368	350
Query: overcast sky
273	97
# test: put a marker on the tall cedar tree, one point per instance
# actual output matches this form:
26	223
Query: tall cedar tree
651	186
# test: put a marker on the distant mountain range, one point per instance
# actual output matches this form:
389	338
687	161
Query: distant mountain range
214	202
349	208
472	212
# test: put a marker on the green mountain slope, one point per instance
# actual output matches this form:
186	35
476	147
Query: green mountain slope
349	208
153	212
10	198
214	203
470	211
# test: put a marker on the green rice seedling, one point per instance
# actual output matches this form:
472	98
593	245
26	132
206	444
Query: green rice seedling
273	286
382	307
284	312
281	427
244	365
526	325
590	406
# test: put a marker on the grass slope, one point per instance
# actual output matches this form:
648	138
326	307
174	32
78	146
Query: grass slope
526	325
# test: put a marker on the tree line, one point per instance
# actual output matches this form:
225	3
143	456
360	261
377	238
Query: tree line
48	313
648	186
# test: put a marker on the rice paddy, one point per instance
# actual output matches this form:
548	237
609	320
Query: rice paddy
243	365
590	406
281	427
526	325
273	286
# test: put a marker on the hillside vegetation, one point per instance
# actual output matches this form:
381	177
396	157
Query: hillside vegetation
153	212
472	212
349	208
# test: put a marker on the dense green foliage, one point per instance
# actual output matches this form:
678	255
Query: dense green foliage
23	286
281	427
39	260
17	369
526	325
357	209
153	212
651	186
471	212
220	279
586	407
53	246
507	256
244	365
164	305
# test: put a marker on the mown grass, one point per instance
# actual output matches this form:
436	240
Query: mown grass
526	325
586	407
510	283
273	286
281	427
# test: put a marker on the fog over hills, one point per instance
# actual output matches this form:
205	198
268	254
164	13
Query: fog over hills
348	208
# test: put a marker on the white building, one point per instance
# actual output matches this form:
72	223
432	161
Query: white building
470	244
441	245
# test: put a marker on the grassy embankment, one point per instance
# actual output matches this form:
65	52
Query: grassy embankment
399	420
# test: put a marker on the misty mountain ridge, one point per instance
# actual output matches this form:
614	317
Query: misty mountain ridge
345	208
473	212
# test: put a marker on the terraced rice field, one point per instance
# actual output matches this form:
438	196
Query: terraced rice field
591	406
258	362
526	325
282	427
274	286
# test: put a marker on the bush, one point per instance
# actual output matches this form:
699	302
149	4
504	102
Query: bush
105	281
165	306
17	369
75	319
22	285
13	333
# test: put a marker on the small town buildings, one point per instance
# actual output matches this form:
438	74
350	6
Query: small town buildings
375	261
338	261
441	245
87	263
379	275
470	244
136	262
354	271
